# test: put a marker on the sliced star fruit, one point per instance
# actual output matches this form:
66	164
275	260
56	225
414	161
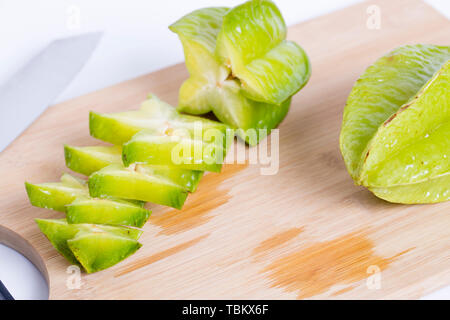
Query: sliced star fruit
179	151
56	195
100	250
71	195
130	183
59	232
396	135
106	211
87	160
154	115
185	178
214	85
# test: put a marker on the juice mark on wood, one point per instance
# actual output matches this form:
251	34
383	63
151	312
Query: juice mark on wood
342	291
209	195
276	241
317	268
157	256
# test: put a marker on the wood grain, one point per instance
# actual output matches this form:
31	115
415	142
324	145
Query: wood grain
244	235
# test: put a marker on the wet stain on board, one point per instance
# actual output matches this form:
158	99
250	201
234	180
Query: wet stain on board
210	195
138	264
342	291
276	241
319	267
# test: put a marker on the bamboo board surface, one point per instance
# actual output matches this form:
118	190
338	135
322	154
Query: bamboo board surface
306	232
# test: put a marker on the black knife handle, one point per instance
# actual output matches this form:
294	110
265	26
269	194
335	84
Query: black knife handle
4	292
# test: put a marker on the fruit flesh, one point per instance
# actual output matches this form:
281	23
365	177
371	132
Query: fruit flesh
224	98
88	160
105	211
127	183
180	152
213	86
198	32
58	231
395	134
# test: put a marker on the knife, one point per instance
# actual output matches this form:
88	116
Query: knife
4	293
34	87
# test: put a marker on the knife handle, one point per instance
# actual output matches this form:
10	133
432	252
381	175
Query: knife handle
4	292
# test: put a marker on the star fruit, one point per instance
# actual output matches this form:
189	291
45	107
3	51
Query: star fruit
395	136
241	66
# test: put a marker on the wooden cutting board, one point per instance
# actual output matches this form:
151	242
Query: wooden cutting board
306	232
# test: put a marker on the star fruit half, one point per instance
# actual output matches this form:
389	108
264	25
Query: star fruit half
241	66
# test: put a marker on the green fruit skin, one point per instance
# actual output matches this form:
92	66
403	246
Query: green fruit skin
201	25
146	148
58	231
429	191
104	211
255	27
86	160
53	195
414	169
109	129
400	153
396	134
116	181
252	41
380	92
99	251
210	86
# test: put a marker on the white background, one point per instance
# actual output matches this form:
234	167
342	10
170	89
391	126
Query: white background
136	42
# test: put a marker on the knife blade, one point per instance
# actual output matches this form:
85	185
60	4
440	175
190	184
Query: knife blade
34	87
